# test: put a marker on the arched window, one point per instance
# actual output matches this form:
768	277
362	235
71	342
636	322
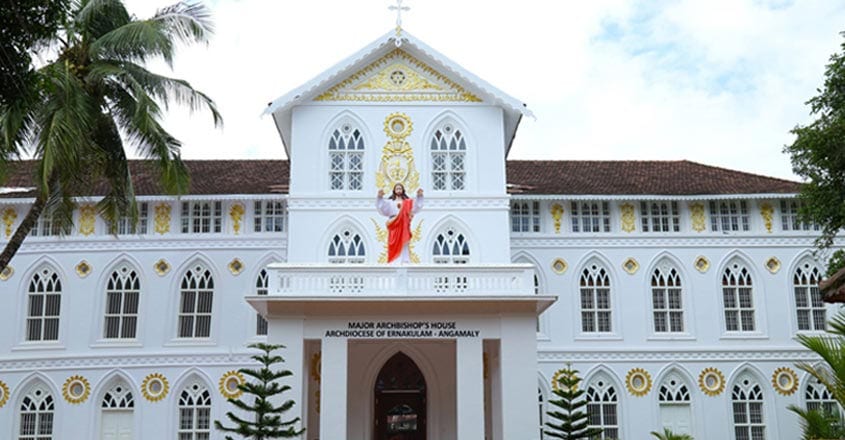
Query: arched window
118	396
747	400
196	296
450	246
602	409
541	407
738	297
117	407
809	307
667	300
36	415
347	246
448	158
44	300
674	397
819	398
595	300
194	413
261	289
123	290
346	158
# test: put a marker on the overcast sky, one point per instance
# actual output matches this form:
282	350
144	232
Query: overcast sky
715	81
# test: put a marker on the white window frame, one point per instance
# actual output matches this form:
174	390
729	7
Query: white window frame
789	217
541	403
590	216
448	155
202	217
659	216
746	394
45	286
594	281
118	397
729	216
525	216
347	246
194	401
124	224
45	226
665	281
261	289
189	318
346	158
601	394
817	396
125	285
270	216
451	246
40	404
675	395
807	298
735	277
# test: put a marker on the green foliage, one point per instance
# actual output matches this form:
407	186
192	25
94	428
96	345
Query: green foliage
831	349
94	95
819	425
818	154
837	261
667	434
265	421
570	420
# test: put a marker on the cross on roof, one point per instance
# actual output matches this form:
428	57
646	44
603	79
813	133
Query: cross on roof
398	8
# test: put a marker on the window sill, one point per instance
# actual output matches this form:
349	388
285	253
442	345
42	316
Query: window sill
671	337
598	337
541	336
116	343
198	342
35	346
741	336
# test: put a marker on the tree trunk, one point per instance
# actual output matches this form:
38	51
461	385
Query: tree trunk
22	231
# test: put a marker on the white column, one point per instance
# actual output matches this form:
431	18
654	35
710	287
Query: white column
470	388
519	378
289	331
333	389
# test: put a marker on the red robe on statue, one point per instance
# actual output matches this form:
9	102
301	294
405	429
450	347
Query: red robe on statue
399	230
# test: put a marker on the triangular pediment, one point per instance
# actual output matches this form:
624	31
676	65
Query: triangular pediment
397	76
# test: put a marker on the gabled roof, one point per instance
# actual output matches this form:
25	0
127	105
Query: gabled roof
281	107
531	178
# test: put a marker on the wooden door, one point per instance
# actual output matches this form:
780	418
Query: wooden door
400	401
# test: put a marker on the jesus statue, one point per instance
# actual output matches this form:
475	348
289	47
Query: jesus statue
400	210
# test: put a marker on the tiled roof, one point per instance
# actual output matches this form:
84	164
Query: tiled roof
833	288
603	178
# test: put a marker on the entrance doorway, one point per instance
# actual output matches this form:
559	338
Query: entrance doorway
400	400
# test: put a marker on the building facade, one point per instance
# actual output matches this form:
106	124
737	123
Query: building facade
675	288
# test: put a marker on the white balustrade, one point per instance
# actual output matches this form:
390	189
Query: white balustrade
412	280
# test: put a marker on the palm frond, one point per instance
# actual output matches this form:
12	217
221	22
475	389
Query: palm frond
138	41
95	18
188	22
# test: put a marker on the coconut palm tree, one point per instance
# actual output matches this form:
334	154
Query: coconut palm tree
92	100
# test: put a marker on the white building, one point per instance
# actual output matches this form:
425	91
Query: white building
675	288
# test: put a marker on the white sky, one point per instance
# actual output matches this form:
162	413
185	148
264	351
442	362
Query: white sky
715	81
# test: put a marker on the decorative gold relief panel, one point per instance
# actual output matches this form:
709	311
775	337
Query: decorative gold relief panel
638	382
76	389
4	393
557	215
699	223
559	266
162	218
229	383
161	267
155	387
236	266
701	264
87	219
397	77
631	266
83	269
9	217
7	273
773	265
629	219
767	212
236	213
397	157
559	374
785	381
711	381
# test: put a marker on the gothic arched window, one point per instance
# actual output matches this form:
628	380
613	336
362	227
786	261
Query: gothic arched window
44	300
346	158
602	409
738	297
448	158
450	246
818	397
347	246
123	290
36	415
747	400
194	413
261	289
667	300
675	407
595	300
809	307
195	305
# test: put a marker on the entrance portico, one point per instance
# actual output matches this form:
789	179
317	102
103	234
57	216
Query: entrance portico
475	354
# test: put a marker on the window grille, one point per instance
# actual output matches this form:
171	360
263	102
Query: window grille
595	300
737	293
590	217
448	159
44	301
789	217
123	290
270	216
118	397
525	216
660	216
196	296
347	247
45	226
809	307
261	289
673	390
202	217
125	226
728	215
667	300
346	158
36	415
747	400
194	413
602	409
450	247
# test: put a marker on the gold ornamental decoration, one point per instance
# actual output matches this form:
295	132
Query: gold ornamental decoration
629	223
236	266
711	381
87	219
559	374
397	156
701	264
697	216
7	273
638	382
559	266
9	217
162	218
4	393
236	213
381	236
767	212
316	366
557	214
229	383
161	267
773	265
631	266
785	381
83	269
76	390
155	387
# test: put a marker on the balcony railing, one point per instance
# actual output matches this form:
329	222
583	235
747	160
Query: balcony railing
323	280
